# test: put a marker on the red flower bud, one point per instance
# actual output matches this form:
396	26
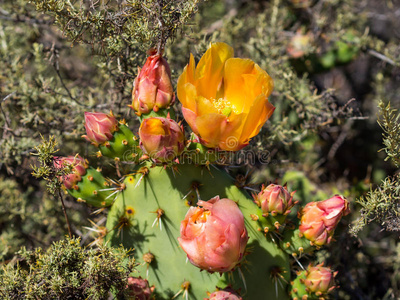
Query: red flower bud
79	169
153	88
319	219
138	289
99	127
161	138
214	236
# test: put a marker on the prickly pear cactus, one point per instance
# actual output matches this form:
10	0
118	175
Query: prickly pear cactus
147	216
194	232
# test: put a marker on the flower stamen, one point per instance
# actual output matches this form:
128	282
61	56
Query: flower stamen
223	106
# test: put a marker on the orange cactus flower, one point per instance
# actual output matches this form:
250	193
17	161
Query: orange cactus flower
225	99
161	138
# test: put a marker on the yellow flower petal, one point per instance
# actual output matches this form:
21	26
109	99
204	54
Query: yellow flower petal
187	76
235	89
204	106
258	114
210	69
264	81
188	96
209	127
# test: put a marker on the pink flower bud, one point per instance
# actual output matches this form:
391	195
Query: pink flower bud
161	138
319	280
214	236
225	294
275	200
138	289
319	219
79	169
99	127
153	88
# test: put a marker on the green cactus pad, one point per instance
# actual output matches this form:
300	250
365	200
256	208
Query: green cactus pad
124	145
294	243
91	189
130	223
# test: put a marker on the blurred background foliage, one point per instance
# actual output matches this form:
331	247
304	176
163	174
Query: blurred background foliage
336	68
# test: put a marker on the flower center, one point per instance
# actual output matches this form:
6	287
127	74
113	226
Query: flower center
201	216
223	106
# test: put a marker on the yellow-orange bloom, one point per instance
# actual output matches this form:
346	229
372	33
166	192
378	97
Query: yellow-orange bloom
225	99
